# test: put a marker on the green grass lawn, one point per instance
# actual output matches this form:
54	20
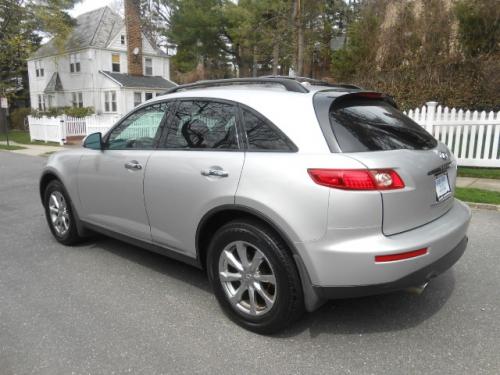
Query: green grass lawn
479	172
23	137
477	195
11	147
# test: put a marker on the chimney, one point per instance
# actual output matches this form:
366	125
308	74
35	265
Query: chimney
134	37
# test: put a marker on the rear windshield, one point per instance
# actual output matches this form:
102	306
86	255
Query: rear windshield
374	125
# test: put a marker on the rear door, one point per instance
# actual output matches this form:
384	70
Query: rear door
196	168
374	132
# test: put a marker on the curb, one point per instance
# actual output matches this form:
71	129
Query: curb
484	206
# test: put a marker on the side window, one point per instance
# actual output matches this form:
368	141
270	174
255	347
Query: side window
262	136
202	125
138	130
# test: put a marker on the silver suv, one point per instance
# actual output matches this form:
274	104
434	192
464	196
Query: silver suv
288	192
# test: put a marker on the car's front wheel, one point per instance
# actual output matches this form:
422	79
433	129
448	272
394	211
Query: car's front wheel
254	277
59	214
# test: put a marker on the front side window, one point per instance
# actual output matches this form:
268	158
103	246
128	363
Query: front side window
262	136
137	98
110	101
148	66
74	63
202	125
115	62
138	130
361	124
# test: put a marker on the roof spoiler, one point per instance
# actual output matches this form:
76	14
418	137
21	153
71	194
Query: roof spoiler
366	95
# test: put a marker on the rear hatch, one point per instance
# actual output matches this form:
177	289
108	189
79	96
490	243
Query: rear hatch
369	128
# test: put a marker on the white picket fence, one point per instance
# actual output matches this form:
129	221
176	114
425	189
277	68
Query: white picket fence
58	129
473	137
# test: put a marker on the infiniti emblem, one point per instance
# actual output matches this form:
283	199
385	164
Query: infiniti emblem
443	155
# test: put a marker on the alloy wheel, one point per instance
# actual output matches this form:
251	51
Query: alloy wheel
59	215
247	278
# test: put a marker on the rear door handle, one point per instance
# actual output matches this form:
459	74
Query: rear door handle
133	165
214	172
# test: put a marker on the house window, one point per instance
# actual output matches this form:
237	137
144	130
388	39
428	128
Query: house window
137	98
41	102
77	99
149	95
74	63
110	101
148	66
39	68
122	39
115	62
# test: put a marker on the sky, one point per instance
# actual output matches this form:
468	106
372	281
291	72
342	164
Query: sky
88	5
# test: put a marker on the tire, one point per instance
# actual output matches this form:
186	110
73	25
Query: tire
55	194
273	306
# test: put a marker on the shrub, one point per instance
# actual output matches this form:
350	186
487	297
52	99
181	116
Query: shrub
68	111
17	117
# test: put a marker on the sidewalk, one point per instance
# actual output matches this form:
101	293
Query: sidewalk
33	150
479	183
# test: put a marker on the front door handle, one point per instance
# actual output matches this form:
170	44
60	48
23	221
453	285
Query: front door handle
133	165
214	172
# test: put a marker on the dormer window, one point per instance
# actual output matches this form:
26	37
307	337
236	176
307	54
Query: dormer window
115	62
39	68
122	39
74	63
148	66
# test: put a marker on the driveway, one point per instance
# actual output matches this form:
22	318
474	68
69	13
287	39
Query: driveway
107	307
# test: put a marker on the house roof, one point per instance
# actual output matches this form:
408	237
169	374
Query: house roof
130	81
96	29
54	84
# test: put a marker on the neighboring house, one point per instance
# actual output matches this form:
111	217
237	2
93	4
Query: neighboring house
105	63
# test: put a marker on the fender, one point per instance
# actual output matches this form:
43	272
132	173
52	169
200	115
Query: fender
312	300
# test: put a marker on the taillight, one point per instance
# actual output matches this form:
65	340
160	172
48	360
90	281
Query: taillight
357	179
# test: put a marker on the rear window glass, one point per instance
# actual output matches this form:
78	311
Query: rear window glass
374	125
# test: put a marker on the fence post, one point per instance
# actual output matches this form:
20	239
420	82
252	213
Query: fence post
62	128
429	120
45	136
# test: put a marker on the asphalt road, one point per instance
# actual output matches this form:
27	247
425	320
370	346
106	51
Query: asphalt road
109	308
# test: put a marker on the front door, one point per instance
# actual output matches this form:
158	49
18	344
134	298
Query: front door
196	168
110	182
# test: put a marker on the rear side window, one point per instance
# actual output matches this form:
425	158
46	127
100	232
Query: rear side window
262	136
374	125
199	124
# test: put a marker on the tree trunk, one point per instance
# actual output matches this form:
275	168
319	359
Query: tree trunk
276	56
254	62
300	51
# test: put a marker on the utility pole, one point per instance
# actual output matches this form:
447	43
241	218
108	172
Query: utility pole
299	38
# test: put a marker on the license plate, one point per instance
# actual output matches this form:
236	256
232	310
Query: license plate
442	186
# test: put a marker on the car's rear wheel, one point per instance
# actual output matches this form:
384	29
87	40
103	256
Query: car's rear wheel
254	277
59	214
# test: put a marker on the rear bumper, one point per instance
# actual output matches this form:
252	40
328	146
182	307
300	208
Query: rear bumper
345	258
419	277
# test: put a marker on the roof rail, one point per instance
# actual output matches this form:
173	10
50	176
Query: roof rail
313	81
288	84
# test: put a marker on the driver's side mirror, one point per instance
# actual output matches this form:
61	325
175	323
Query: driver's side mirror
93	141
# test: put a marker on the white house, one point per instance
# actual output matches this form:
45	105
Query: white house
105	63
